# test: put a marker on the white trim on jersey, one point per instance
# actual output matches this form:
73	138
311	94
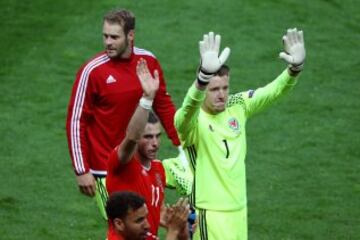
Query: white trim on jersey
140	51
77	111
96	172
147	168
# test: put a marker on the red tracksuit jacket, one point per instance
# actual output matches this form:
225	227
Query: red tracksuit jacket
104	97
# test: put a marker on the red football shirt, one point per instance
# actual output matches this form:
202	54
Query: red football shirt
133	176
112	234
104	97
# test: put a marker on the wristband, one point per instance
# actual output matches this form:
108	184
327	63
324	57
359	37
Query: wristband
204	78
145	103
296	69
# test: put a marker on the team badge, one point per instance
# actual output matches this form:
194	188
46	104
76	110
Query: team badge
234	124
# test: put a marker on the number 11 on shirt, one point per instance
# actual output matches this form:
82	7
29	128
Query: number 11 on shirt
155	193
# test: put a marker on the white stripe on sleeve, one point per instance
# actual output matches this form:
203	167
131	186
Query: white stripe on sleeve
77	111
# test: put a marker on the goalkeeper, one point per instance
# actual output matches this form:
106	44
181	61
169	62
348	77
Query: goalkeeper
211	126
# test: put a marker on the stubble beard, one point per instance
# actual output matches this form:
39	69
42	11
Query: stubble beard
120	52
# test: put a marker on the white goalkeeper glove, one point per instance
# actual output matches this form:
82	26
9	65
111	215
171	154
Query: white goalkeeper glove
210	59
294	49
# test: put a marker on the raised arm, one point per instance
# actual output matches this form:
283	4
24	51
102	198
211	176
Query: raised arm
139	119
211	62
294	51
294	56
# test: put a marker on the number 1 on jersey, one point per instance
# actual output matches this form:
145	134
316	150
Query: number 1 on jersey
227	149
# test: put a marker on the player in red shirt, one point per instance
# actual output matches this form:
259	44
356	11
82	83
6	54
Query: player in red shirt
104	97
131	166
127	213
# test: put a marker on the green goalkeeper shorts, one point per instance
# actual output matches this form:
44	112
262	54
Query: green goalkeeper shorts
101	195
215	225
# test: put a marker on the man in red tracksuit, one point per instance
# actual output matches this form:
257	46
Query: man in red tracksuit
105	95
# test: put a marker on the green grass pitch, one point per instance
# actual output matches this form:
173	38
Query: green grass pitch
303	153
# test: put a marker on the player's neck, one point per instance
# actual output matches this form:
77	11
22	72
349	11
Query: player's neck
128	51
126	54
146	164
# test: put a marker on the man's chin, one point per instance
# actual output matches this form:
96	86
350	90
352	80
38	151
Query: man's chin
219	108
152	156
111	53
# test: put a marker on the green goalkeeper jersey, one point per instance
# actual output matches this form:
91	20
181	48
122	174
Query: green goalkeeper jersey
178	177
216	144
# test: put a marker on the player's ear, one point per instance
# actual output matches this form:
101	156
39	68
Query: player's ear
131	35
119	224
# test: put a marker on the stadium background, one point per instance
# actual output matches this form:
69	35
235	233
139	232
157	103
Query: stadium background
303	153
